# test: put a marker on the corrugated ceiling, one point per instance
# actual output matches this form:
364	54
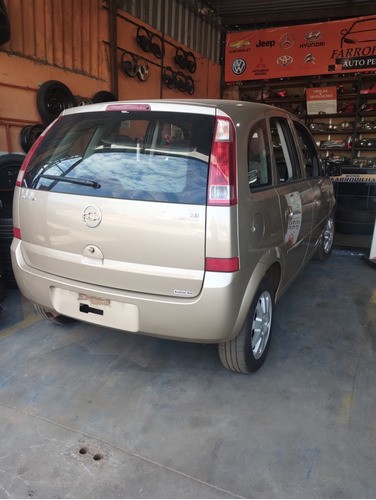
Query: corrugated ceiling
248	14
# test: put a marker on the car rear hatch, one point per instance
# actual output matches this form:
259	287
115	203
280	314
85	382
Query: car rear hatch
117	198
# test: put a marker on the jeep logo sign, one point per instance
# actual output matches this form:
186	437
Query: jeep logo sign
268	43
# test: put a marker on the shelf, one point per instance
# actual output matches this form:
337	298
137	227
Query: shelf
335	149
332	115
331	132
357	180
358	170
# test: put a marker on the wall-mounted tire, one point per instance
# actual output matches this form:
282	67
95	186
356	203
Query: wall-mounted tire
29	135
103	96
4	24
53	97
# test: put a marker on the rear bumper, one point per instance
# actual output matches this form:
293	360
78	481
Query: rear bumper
216	315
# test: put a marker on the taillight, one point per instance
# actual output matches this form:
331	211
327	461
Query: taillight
30	154
222	265
222	168
17	232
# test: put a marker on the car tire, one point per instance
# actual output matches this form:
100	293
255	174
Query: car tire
6	237
4	24
2	282
103	96
346	227
247	352
53	97
52	316
361	215
326	241
29	135
9	168
2	289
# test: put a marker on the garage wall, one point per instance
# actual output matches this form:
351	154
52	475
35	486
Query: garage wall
69	41
189	22
206	78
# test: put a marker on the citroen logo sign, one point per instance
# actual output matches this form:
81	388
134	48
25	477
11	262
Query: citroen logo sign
92	216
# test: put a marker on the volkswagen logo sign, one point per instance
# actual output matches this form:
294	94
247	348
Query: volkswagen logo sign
238	66
92	216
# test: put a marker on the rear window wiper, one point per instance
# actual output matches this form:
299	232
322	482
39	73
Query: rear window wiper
72	180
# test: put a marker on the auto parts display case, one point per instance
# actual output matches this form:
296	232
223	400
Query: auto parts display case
346	137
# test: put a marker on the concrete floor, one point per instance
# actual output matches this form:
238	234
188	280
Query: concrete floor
87	412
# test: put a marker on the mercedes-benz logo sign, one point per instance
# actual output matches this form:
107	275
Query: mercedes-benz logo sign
238	66
286	41
92	216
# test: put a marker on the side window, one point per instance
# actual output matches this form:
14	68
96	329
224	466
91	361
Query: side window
259	173
311	159
284	152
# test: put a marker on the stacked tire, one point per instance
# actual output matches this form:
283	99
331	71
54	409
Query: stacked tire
351	221
9	167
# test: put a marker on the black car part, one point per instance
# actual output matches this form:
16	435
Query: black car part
185	60
4	24
82	101
334	143
352	221
128	64
337	159
133	65
29	135
142	69
103	96
10	165
366	126
150	42
52	98
177	79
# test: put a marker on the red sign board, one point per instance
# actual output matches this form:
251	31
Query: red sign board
348	45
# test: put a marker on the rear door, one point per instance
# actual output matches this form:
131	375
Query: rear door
118	199
321	186
296	197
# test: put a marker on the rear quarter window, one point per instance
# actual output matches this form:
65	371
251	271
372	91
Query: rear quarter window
259	171
145	155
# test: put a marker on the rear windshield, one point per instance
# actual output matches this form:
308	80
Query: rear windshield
150	156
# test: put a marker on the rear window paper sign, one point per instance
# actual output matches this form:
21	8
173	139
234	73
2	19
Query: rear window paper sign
4	24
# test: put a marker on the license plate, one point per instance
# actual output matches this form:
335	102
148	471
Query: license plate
97	310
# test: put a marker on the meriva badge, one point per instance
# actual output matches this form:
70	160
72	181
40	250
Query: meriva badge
92	216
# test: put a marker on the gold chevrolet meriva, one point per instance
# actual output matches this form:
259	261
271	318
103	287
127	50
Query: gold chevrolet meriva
183	219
